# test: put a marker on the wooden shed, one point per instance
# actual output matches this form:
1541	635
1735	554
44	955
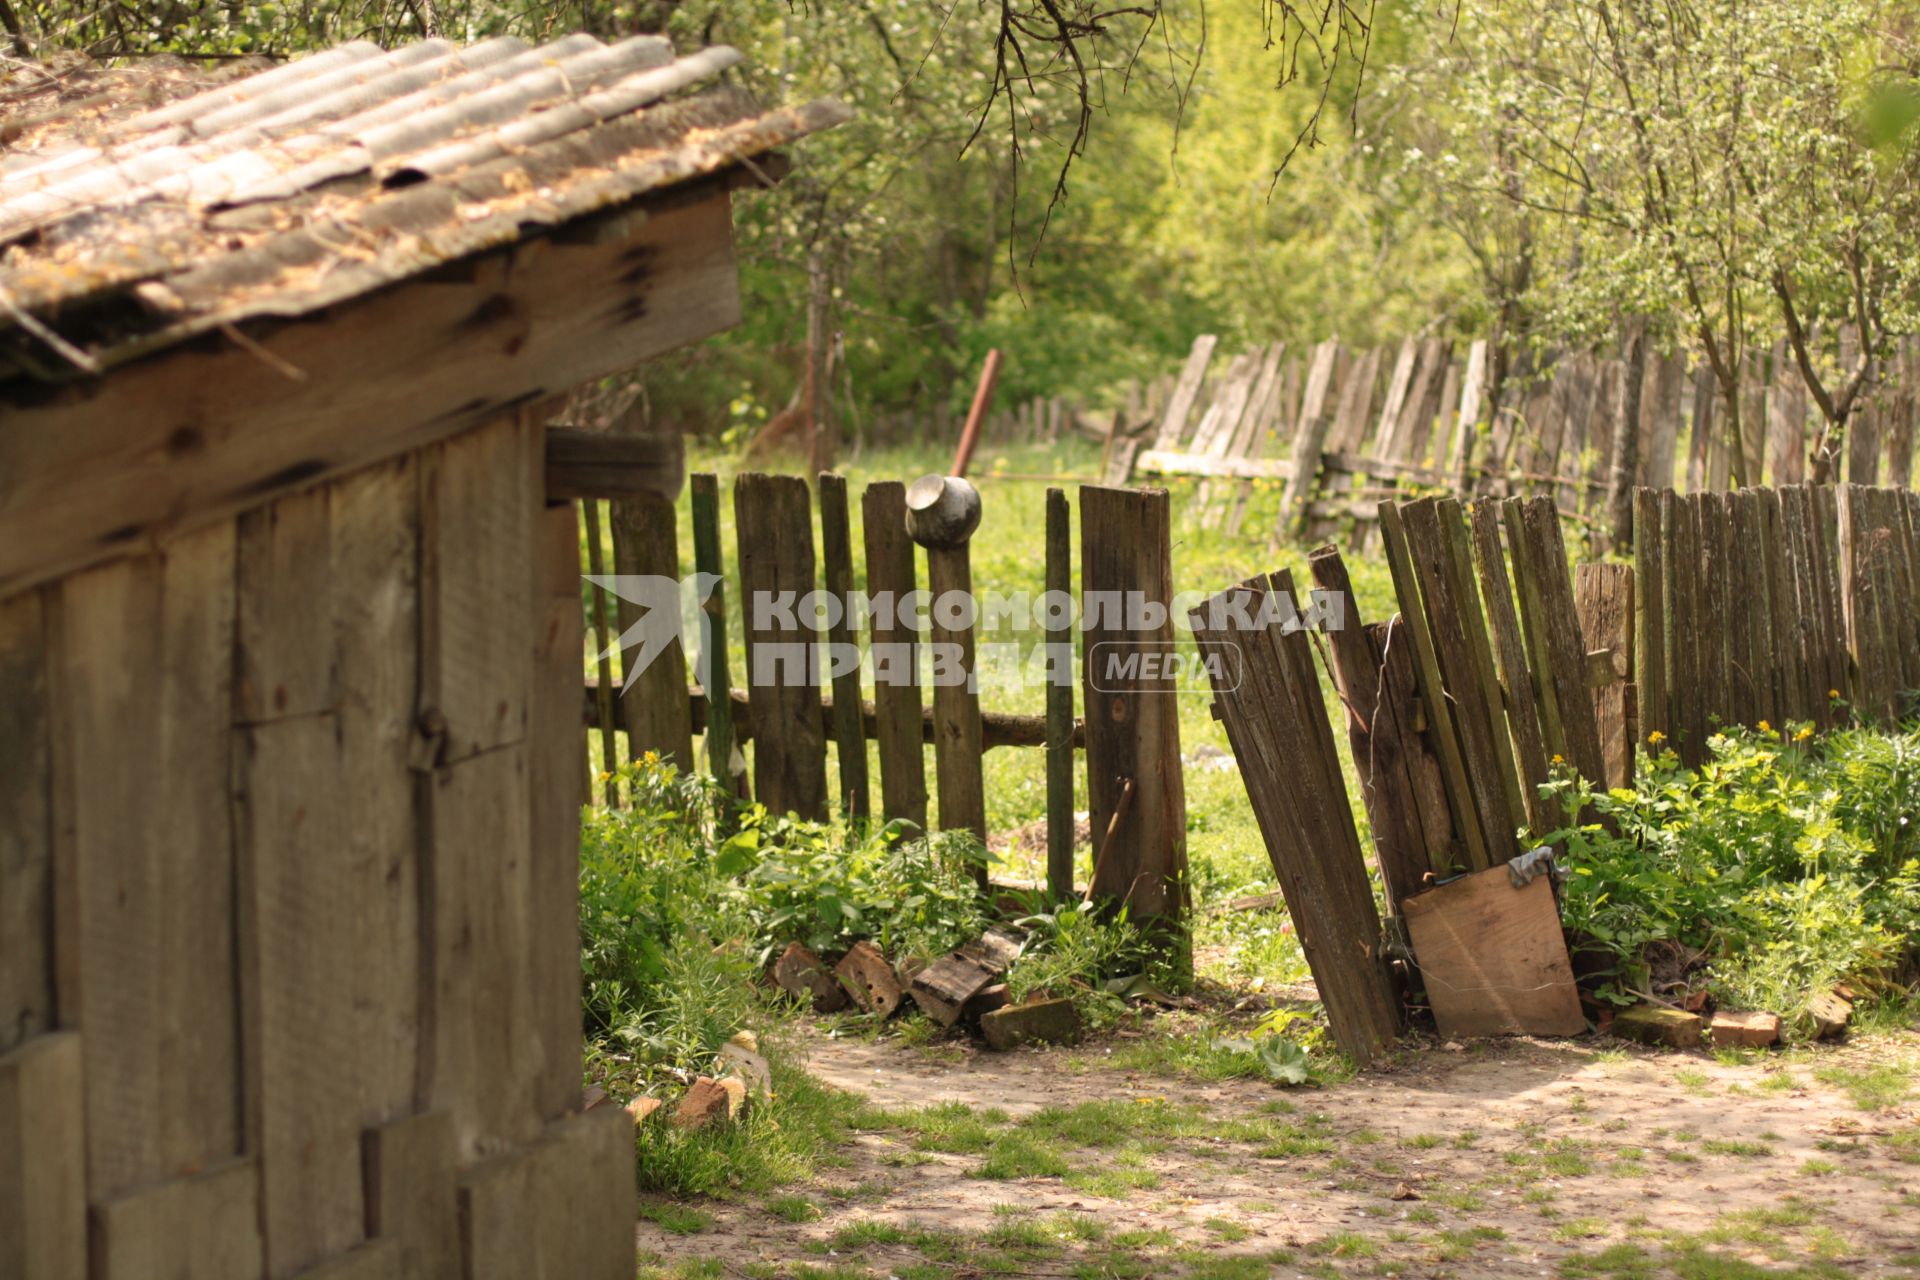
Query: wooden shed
291	653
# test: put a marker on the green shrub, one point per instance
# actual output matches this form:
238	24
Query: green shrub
1790	862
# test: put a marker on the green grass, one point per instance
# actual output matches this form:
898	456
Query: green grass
679	1219
1876	1088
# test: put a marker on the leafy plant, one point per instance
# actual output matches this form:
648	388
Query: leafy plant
1788	862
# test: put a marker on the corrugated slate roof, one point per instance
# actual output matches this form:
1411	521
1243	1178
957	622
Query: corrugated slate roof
325	178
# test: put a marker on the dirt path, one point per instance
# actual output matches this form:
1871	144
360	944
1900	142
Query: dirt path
1508	1159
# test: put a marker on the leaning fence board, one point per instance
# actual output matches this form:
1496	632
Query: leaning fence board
1381	745
1516	679
43	1161
1454	620
148	649
1132	715
1316	419
1269	700
203	1227
836	555
1553	630
896	661
1185	392
774	521
27	997
1426	664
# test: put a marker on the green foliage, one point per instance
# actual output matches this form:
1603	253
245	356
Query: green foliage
1090	955
676	925
1791	863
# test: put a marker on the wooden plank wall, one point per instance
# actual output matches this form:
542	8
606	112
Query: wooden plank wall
289	831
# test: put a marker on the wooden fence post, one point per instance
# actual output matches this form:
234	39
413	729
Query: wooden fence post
1060	700
653	701
1603	594
942	513
1133	724
896	655
1650	614
597	566
774	524
704	499
849	733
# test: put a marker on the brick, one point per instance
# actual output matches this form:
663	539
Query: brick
1656	1024
642	1107
1037	1022
870	980
801	973
708	1100
1734	1027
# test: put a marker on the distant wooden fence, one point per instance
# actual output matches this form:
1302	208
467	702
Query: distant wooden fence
1503	664
1343	428
1131	740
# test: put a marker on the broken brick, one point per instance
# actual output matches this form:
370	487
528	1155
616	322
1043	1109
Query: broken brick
870	980
707	1100
1732	1027
1656	1024
1037	1022
801	973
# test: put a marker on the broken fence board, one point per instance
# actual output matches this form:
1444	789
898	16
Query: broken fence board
43	1160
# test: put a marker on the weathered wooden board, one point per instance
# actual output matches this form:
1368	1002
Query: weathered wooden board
481	1057
958	735
849	737
1381	745
43	1160
1516	679
1267	693
145	700
1133	721
1441	733
27	989
1059	641
1603	595
1650	614
653	702
717	678
202	1227
1493	957
896	688
560	1209
476	524
390	373
1552	625
1186	391
325	889
411	1197
773	518
555	777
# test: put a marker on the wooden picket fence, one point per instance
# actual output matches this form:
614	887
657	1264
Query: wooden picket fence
1344	428
1129	735
1792	608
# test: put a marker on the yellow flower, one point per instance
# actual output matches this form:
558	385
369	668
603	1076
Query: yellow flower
606	777
1806	731
652	757
1559	759
1834	694
1656	738
1765	727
